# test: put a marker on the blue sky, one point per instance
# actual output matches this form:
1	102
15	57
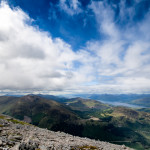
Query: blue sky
74	21
75	46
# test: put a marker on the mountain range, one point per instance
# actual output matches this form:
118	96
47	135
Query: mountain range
82	117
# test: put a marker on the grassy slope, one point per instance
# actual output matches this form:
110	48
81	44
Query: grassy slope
144	109
7	102
43	113
117	125
142	102
85	104
122	125
4	117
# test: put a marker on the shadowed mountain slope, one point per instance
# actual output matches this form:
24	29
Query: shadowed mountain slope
39	111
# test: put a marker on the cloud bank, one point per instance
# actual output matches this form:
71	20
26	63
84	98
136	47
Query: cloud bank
32	60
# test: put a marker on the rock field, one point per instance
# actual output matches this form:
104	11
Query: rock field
16	135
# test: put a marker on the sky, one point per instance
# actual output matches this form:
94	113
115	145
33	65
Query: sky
75	46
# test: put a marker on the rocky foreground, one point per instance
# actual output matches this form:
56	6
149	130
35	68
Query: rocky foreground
17	135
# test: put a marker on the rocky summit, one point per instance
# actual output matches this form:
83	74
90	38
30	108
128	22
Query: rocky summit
18	135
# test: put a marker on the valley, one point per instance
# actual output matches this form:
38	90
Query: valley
82	117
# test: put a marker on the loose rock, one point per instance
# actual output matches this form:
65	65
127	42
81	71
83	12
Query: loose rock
27	137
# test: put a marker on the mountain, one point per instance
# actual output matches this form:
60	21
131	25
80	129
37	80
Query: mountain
85	104
18	135
144	109
125	98
60	99
142	102
41	112
120	125
7	102
82	117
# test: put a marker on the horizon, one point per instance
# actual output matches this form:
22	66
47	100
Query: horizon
73	95
63	47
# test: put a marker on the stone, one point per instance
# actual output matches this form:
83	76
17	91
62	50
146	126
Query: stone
28	137
1	142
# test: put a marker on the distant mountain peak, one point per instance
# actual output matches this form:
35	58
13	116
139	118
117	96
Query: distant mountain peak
31	97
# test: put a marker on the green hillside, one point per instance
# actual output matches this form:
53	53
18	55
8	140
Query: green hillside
7	102
122	126
142	102
85	104
144	109
40	112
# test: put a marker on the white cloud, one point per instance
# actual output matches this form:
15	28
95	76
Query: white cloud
124	54
71	7
104	17
31	60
